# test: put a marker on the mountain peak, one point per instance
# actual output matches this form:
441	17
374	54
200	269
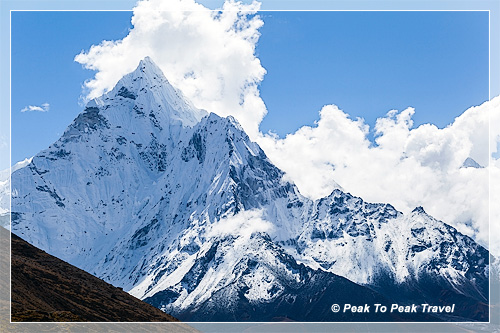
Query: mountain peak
471	163
419	210
148	68
147	88
147	73
147	61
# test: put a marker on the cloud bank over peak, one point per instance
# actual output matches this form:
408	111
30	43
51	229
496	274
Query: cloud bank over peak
209	55
407	167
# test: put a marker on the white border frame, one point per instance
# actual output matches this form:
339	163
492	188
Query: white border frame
275	10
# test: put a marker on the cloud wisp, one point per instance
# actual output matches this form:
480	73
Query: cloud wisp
34	108
243	224
210	56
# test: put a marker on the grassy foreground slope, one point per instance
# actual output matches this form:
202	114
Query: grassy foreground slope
45	288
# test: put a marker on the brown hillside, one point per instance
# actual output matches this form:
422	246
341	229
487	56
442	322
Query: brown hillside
45	288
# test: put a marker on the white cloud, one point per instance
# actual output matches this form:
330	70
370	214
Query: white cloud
208	55
243	224
43	108
407	167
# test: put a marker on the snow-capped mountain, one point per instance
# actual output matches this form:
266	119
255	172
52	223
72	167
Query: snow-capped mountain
471	163
5	192
180	208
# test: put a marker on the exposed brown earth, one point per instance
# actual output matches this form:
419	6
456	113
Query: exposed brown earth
45	288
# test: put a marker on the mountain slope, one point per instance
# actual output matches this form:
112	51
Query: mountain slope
144	191
386	245
5	192
45	288
254	280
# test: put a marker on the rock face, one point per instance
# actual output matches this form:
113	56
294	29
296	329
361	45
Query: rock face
180	208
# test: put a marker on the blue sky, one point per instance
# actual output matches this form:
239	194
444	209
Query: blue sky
43	71
367	63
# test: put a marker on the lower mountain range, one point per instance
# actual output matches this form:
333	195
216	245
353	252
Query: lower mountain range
180	208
